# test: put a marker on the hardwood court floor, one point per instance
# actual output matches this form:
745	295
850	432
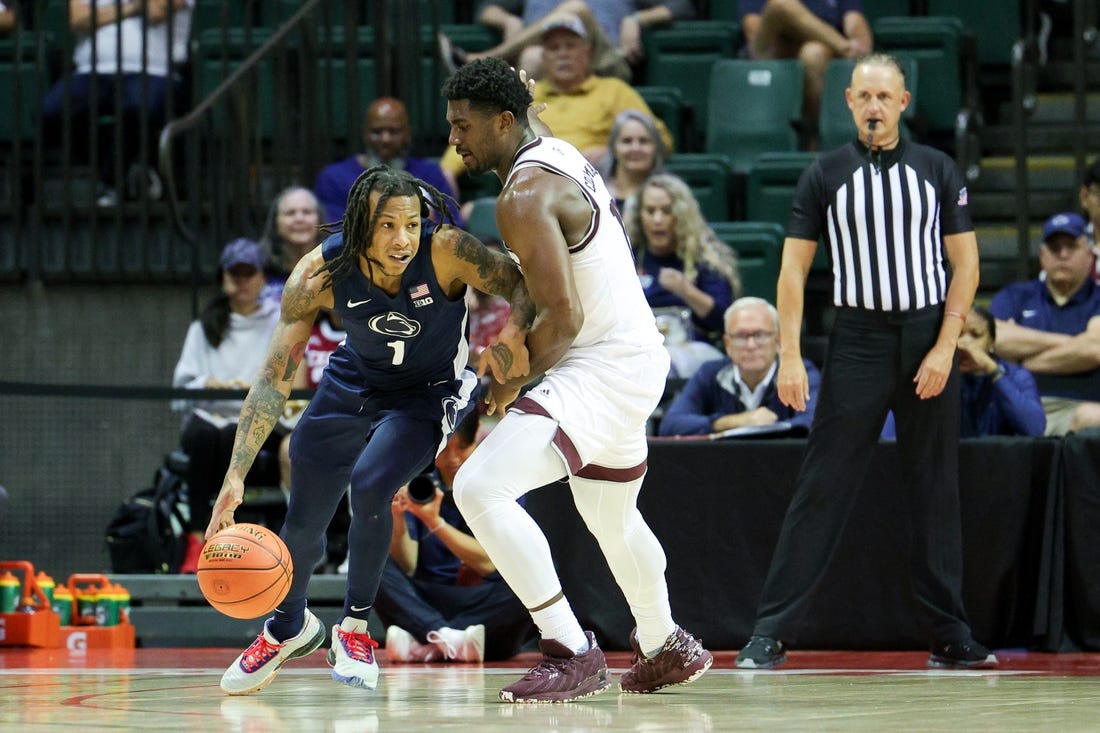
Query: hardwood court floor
177	689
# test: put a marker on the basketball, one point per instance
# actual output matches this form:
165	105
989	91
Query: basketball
245	571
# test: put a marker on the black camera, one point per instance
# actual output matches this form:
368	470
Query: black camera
422	488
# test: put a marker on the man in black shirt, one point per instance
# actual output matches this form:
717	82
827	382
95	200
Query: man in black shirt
894	215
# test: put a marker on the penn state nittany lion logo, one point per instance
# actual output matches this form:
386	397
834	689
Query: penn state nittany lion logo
394	324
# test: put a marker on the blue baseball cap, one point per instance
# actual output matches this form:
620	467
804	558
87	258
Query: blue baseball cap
243	252
1065	223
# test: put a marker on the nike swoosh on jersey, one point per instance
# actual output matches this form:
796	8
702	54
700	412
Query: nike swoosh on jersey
358	609
354	303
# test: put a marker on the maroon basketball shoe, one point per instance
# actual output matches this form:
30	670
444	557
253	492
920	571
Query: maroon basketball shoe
681	660
562	675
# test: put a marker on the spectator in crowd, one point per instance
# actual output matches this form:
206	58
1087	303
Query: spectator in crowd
635	151
387	135
615	27
441	597
137	46
580	107
1051	325
292	228
813	31
224	349
1090	202
739	390
682	265
8	17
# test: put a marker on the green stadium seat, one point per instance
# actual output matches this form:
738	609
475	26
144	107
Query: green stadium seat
681	55
23	82
995	29
936	45
667	103
769	193
482	221
753	107
214	13
709	177
835	125
759	247
216	55
875	9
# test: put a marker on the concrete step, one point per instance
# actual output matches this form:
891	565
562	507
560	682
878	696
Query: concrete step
997	249
1044	173
998	241
1060	107
1000	206
1042	138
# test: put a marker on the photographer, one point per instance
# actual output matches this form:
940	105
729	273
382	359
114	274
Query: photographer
441	597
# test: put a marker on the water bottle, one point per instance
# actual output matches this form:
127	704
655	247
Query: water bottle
10	592
63	604
48	586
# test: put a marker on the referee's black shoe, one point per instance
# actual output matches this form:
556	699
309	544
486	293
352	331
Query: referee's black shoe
762	652
967	654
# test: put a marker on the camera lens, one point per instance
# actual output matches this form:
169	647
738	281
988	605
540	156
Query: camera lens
422	489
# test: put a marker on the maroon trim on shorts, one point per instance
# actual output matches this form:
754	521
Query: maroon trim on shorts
561	440
617	475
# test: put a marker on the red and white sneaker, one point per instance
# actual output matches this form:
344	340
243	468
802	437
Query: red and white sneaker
352	654
260	662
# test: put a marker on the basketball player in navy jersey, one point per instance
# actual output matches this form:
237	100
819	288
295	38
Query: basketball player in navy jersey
388	399
596	346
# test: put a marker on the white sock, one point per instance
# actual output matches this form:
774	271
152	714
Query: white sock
558	622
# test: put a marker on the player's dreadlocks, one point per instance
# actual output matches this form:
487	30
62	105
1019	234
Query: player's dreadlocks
359	221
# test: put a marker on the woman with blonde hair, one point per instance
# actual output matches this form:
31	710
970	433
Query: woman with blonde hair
681	262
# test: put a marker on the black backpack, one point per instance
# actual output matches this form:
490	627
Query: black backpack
149	531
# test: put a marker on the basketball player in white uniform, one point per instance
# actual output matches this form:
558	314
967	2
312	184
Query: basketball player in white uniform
597	348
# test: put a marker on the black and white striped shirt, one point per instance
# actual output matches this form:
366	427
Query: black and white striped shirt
884	222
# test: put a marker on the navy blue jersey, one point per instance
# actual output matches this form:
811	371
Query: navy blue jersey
413	339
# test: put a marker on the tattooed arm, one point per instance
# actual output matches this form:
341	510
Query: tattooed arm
302	298
461	259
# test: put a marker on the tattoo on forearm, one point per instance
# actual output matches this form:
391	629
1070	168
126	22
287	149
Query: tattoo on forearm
261	411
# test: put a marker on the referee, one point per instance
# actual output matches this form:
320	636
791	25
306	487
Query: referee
895	216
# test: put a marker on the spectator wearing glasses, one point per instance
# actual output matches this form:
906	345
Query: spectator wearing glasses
739	389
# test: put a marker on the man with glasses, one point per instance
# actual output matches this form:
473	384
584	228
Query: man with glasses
739	391
1051	325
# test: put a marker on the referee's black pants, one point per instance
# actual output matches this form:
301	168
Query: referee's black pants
869	369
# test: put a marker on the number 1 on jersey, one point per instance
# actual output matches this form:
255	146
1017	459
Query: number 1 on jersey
398	352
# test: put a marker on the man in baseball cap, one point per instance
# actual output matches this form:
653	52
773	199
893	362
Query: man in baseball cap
1045	324
243	252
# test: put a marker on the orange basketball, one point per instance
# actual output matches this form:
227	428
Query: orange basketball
245	571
